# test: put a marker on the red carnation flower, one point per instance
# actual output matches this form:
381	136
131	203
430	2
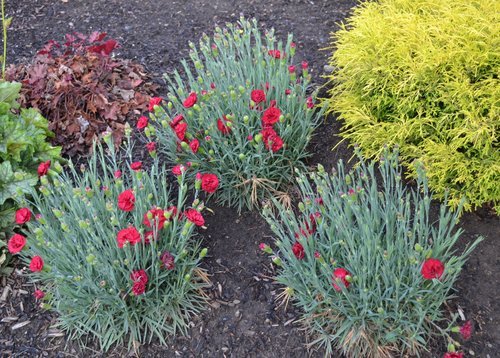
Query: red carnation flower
258	96
466	330
309	102
180	130
178	169
43	168
16	243
432	268
39	294
190	101
272	141
167	260
195	217
126	200
177	119
271	116
339	275
154	101
304	65
140	279
298	250
23	215
275	53
118	174
222	127
291	69
142	122
36	264
148	237
158	218
130	235
212	85
194	145
453	355
135	166
151	147
288	92
209	183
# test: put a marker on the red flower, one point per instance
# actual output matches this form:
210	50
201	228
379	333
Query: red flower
36	264
158	218
212	85
148	237
288	91
195	217
118	174
126	200
339	275
136	166
209	182
275	53
43	168
466	330
221	126
258	96
305	65
291	69
142	122
177	119
140	279
271	116
178	169
180	130
167	260
194	145
16	243
453	355
298	250
130	235
190	100
23	215
311	224
432	268
293	45
154	101
151	147
272	141
39	294
309	102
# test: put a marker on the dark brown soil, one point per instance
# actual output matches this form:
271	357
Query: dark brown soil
243	320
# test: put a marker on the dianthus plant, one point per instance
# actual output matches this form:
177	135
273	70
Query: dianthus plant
366	262
112	250
242	113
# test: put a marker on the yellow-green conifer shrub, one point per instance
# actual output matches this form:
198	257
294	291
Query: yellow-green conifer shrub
423	75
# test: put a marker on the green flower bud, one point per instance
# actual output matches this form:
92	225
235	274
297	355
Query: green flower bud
91	259
58	213
169	105
241	156
211	152
245	119
282	119
258	138
190	113
203	253
302	208
197	107
200	80
418	247
241	89
38	232
380	310
277	261
187	277
83	224
44	180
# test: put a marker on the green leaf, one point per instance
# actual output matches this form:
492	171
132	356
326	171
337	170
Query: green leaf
9	91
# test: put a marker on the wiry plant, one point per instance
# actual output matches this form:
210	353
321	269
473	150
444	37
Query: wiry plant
365	261
113	252
243	113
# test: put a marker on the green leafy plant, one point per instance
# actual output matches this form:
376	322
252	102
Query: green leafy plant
365	261
113	251
23	146
243	113
83	90
424	75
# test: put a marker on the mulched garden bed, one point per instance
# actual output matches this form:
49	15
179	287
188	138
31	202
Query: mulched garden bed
243	319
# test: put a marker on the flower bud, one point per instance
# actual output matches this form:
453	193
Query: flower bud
241	156
169	105
58	213
197	107
241	89
302	208
187	277
203	253
276	261
418	247
258	138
